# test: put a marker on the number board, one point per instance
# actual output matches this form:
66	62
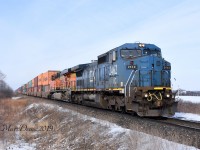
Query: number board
131	67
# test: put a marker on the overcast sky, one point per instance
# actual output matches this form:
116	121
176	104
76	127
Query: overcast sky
41	35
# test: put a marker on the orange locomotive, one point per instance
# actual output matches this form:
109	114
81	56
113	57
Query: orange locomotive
51	84
61	85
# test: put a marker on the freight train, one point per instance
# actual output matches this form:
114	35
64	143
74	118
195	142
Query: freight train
132	78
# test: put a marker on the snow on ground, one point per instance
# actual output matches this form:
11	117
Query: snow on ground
15	98
18	145
193	99
128	138
187	116
21	146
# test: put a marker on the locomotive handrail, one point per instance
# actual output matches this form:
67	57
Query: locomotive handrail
131	82
128	81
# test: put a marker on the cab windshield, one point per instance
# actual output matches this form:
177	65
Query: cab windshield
152	52
130	53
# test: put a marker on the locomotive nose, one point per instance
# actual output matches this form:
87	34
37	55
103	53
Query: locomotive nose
151	72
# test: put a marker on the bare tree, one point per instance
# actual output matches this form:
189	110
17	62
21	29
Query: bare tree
2	76
5	90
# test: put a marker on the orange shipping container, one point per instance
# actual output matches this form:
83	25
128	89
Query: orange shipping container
32	82
46	77
40	79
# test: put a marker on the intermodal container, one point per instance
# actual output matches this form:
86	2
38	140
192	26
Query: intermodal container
35	89
32	82
39	88
40	77
45	88
36	81
24	88
46	77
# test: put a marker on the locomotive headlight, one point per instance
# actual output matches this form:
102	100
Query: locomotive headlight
141	45
167	95
145	95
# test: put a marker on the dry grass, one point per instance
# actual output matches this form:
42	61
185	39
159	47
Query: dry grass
188	107
9	108
64	130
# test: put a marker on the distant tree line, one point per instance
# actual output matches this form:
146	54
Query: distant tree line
5	90
6	93
188	93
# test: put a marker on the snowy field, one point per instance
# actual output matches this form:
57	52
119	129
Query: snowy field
15	98
187	116
193	99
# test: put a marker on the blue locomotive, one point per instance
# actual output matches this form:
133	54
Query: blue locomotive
130	78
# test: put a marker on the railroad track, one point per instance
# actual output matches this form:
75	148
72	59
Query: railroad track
183	123
188	125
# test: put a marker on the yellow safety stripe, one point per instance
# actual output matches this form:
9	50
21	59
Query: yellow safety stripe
115	89
161	88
